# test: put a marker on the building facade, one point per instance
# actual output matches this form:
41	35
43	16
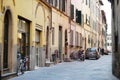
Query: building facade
23	30
37	30
115	5
60	27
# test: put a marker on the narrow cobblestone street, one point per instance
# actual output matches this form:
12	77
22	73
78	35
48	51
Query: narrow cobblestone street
76	70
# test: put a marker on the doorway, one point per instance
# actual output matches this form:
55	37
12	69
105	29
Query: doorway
23	40
37	48
60	42
47	42
7	42
66	42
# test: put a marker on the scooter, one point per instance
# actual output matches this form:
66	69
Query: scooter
81	55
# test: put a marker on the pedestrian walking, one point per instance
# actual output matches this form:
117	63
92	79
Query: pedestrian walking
54	56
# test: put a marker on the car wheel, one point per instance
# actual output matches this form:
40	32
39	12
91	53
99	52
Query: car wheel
97	58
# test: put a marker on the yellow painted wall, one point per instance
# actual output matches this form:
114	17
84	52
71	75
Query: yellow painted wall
27	10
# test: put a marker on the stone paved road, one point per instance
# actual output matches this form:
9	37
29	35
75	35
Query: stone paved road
87	70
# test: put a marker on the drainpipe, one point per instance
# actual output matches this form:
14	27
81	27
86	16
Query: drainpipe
1	49
50	32
68	47
0	66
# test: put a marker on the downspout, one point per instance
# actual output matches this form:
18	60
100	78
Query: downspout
68	52
70	17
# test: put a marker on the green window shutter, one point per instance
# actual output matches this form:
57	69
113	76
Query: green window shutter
78	17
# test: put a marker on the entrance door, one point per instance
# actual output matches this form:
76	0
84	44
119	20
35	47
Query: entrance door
60	42
85	43
37	48
66	42
47	42
6	40
37	54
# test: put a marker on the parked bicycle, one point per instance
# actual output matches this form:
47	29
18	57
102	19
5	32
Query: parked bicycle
21	64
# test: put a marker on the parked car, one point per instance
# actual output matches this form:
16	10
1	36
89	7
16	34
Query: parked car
106	52
92	53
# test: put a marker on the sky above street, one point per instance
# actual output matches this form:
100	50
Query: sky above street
107	8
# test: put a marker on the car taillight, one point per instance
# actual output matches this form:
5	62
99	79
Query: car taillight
95	52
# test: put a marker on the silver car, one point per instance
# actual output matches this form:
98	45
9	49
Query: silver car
92	53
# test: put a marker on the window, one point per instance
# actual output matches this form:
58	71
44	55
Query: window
110	44
63	5
72	11
78	17
89	3
86	2
107	44
86	18
80	39
76	39
89	39
50	1
60	3
55	3
117	2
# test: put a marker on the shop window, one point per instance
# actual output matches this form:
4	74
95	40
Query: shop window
23	38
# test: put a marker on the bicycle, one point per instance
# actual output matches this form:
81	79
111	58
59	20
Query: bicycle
21	66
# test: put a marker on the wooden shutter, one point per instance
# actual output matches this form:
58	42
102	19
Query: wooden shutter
78	17
71	38
72	11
